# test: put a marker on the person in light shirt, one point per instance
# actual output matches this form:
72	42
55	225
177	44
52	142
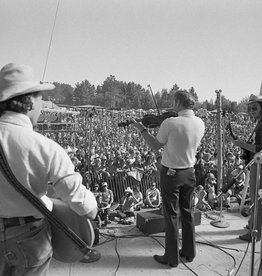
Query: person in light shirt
180	138
35	160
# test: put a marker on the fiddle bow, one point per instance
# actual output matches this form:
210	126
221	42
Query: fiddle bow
151	120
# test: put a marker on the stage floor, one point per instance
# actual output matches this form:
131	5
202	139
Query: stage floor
127	251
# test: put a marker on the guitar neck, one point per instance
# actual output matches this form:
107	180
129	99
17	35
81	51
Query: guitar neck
229	128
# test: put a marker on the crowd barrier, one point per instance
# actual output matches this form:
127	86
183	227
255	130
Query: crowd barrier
121	180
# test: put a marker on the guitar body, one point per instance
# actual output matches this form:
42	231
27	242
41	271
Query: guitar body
64	248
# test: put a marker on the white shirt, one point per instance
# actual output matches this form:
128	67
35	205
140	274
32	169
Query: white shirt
35	160
181	137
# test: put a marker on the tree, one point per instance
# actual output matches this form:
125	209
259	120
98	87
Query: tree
111	89
193	93
147	100
242	106
84	93
164	102
60	94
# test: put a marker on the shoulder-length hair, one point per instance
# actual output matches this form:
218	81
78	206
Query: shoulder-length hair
20	104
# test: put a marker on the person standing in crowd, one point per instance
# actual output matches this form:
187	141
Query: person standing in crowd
180	137
255	111
107	201
35	161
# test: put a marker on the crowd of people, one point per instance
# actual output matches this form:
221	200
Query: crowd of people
114	151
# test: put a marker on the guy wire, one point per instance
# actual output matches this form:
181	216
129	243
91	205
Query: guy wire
51	38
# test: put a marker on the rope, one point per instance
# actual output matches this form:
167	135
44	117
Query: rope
51	38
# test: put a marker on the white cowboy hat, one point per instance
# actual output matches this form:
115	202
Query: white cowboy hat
17	79
254	98
104	184
128	190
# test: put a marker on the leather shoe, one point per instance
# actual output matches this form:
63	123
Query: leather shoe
247	237
92	256
188	259
161	260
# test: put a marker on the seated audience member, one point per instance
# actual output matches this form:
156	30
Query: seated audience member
125	210
210	180
96	190
211	196
239	184
102	215
152	198
139	197
200	199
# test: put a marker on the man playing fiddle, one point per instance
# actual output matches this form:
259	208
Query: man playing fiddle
179	137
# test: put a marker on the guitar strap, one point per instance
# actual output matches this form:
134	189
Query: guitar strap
54	220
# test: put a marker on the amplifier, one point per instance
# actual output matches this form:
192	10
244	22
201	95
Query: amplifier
152	222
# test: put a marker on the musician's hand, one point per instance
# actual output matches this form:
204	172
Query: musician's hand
136	124
237	143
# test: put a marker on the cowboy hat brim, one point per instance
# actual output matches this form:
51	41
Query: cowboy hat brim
23	88
253	99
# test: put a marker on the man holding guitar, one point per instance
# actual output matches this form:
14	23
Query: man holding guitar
255	111
25	236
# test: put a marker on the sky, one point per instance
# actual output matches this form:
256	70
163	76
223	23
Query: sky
205	44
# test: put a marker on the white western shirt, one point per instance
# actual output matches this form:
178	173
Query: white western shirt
35	160
181	137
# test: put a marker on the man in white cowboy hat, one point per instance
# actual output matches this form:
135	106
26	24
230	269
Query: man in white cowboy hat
252	146
25	237
126	209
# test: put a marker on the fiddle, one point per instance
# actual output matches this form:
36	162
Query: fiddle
150	120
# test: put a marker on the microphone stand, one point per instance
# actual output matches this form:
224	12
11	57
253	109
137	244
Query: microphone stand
220	222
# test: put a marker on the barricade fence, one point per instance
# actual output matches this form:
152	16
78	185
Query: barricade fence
119	181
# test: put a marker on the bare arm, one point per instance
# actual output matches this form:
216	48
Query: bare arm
152	142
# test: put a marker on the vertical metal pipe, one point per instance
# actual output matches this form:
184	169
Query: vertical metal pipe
219	143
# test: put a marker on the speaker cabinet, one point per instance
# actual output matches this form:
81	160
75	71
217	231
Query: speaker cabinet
152	222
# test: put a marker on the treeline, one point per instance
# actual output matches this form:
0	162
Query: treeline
115	94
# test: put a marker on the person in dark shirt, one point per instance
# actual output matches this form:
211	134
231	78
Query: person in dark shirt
255	111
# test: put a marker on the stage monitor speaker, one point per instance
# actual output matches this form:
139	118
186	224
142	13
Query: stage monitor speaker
152	222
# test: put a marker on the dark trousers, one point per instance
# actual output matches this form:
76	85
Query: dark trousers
177	194
252	194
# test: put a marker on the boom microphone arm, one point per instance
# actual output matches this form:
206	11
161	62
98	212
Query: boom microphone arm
232	182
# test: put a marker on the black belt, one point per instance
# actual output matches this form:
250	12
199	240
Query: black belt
12	222
181	169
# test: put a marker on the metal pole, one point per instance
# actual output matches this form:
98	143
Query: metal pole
221	223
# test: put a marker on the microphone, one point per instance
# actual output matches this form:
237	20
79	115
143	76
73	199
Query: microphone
229	185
